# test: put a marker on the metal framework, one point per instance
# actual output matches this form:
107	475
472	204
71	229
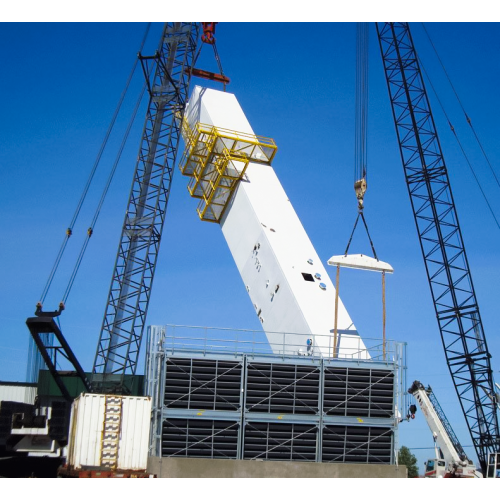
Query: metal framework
440	238
51	344
239	405
216	160
130	290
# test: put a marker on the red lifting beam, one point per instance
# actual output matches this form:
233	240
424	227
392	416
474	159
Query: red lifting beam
208	75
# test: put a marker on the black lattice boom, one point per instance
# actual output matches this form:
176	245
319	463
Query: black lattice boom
440	238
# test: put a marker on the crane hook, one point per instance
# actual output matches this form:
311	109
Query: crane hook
360	188
208	33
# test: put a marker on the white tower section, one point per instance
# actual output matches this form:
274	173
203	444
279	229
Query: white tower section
287	284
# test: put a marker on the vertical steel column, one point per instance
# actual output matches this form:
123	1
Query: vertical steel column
243	399
321	414
130	290
155	380
440	238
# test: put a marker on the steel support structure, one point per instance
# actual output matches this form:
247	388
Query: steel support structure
43	328
440	238
235	405
168	74
265	408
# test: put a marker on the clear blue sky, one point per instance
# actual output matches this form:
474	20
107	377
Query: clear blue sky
295	82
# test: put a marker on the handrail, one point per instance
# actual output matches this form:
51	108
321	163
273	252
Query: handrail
235	341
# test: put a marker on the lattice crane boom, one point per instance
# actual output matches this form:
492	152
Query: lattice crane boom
168	74
440	238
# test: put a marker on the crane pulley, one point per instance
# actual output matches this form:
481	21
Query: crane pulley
208	35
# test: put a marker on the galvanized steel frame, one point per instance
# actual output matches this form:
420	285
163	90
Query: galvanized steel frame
440	238
156	368
130	290
227	341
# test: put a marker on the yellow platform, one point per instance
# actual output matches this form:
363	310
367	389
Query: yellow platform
216	159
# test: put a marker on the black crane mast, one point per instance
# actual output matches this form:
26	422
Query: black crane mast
440	238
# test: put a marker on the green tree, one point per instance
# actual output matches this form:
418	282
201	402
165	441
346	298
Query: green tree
406	457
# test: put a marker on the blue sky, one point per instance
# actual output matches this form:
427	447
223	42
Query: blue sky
295	82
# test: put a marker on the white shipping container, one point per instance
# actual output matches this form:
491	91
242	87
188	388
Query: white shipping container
87	445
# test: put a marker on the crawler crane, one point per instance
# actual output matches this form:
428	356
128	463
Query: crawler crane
440	238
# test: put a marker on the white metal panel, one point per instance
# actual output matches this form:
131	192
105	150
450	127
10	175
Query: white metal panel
86	426
216	108
134	438
87	417
270	248
18	393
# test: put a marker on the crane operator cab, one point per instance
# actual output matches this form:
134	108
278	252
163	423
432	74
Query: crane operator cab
435	468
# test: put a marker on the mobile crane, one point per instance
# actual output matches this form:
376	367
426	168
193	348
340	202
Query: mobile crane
450	459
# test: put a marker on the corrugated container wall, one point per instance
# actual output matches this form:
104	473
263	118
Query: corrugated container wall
93	424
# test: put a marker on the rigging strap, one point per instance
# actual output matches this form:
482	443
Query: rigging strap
360	214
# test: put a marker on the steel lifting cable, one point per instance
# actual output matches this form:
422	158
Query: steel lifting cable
69	230
90	230
452	128
361	127
217	58
360	167
469	121
361	117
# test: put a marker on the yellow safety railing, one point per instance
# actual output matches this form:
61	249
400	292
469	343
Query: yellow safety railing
216	160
